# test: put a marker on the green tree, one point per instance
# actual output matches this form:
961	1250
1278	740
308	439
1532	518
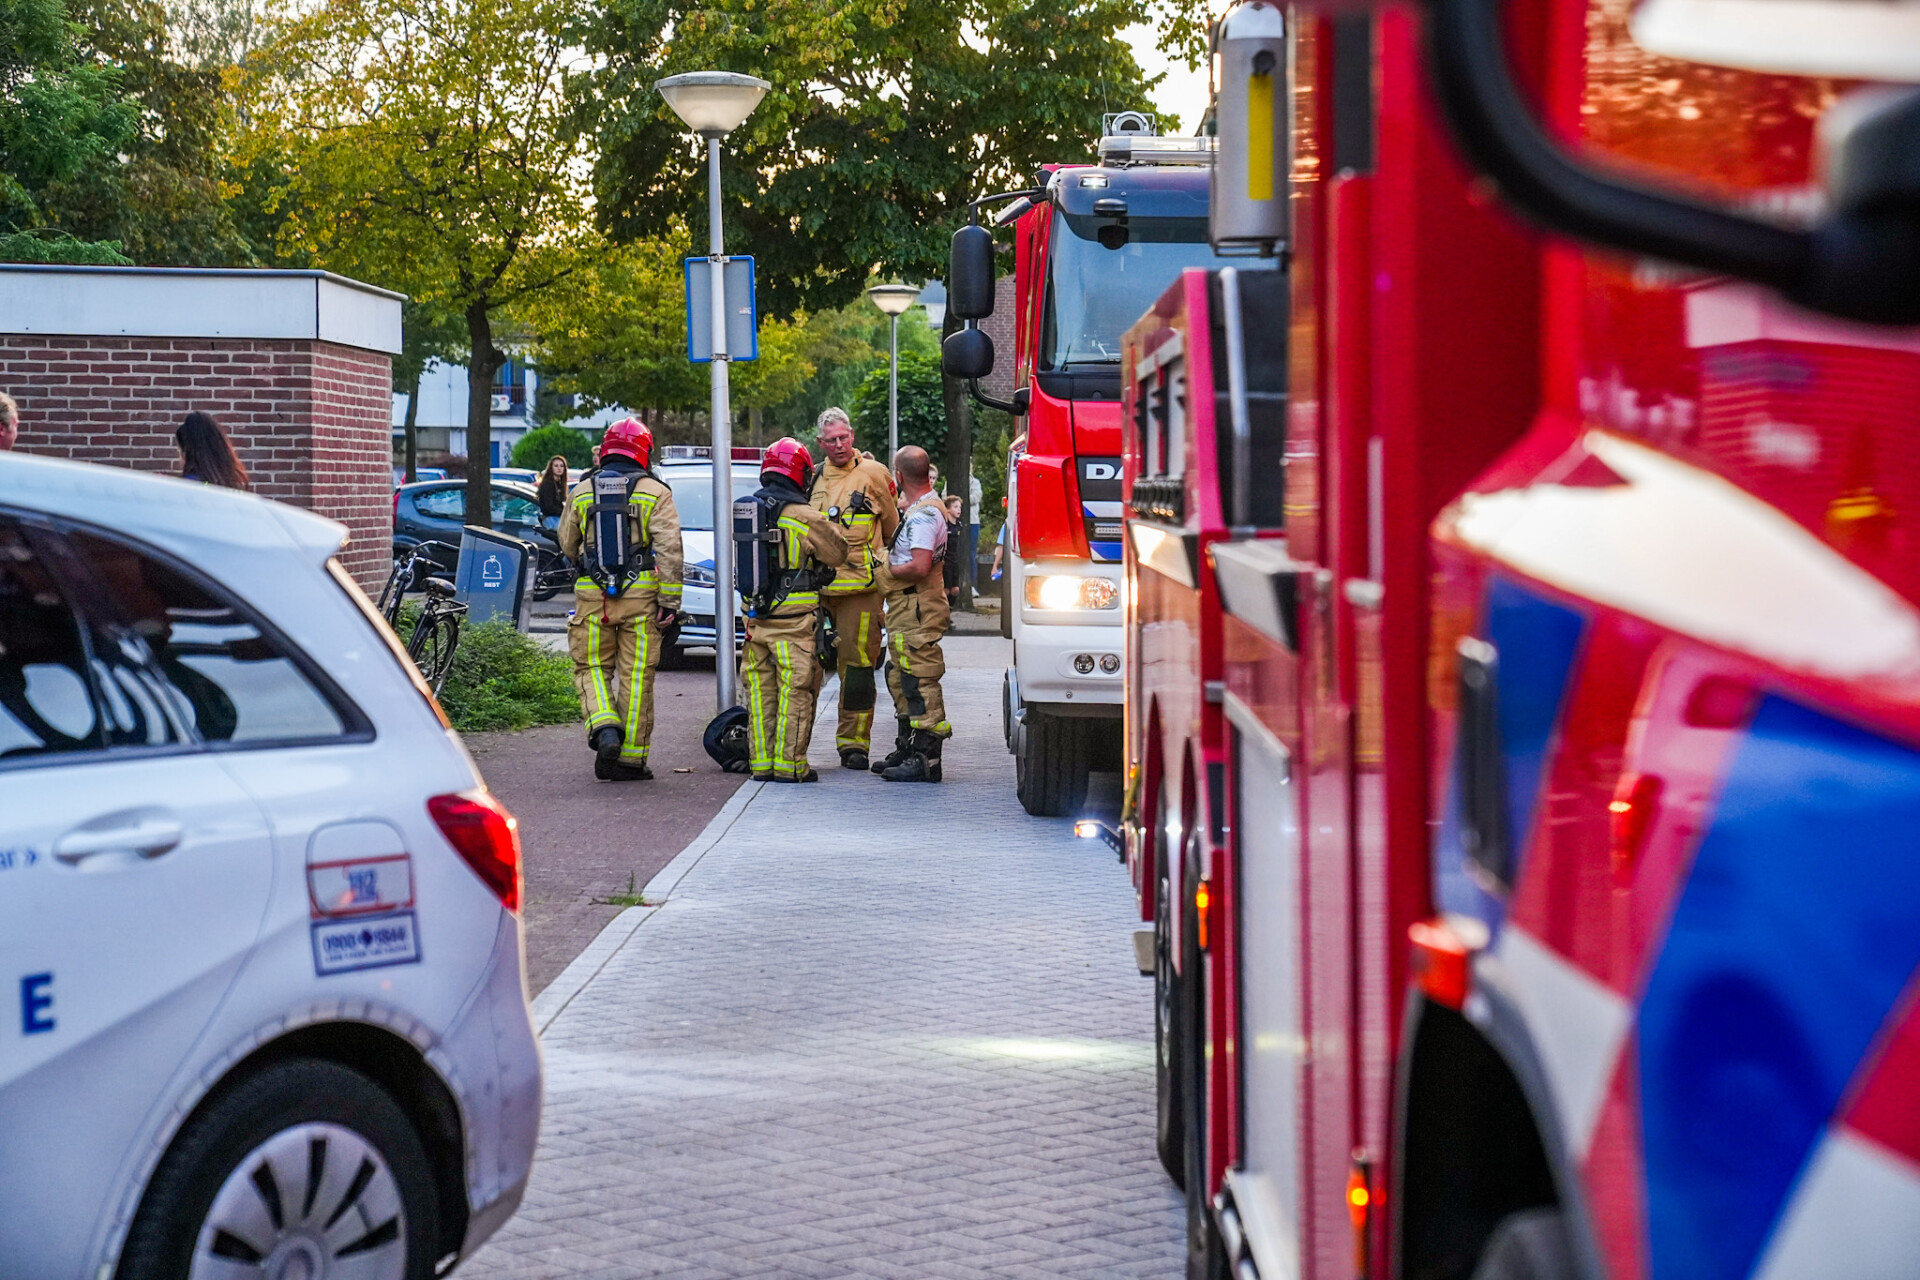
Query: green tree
614	332
923	419
883	121
161	195
430	146
538	447
60	113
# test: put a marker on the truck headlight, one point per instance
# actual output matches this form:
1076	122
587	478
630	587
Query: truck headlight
697	575
1070	591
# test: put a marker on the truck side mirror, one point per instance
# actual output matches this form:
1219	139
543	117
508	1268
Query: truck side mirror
970	276
967	354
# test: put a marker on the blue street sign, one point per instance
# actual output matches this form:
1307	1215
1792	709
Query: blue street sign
743	316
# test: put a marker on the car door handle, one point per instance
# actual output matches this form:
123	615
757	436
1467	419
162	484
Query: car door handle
149	836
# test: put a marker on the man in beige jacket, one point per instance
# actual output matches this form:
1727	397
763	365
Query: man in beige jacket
856	492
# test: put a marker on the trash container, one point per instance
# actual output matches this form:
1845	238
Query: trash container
494	576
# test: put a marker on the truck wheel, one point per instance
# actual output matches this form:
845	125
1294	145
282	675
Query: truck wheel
1052	773
1529	1245
308	1168
1206	1258
1169	1130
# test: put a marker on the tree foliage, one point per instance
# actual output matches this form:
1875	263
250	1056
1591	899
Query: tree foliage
884	119
61	113
430	146
613	332
540	445
923	417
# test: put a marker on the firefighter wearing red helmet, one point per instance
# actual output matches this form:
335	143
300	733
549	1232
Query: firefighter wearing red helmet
781	573
621	526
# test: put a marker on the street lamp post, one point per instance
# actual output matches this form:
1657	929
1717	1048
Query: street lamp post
714	104
893	299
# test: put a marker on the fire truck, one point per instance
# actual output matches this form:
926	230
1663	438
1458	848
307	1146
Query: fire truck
1093	246
1523	704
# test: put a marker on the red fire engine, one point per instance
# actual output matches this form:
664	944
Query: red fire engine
1525	803
1093	246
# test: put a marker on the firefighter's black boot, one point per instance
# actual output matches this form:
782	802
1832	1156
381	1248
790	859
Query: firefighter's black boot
620	771
606	752
922	762
900	749
854	758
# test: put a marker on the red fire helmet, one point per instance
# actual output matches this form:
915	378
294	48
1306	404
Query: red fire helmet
630	438
789	458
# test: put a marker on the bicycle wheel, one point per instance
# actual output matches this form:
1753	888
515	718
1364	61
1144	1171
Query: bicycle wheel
433	643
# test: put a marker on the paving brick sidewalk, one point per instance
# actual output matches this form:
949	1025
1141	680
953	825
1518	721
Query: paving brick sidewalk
917	1048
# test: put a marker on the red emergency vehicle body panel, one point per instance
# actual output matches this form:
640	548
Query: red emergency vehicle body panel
1699	570
1175	736
1413	361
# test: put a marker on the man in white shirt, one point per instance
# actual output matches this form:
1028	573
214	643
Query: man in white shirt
917	617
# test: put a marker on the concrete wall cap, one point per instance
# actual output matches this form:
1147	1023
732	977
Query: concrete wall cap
198	302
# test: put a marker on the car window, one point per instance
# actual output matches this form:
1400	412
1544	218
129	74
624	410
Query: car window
442	504
224	677
693	494
45	704
514	509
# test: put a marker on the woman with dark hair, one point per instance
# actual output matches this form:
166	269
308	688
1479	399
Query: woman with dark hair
552	489
206	455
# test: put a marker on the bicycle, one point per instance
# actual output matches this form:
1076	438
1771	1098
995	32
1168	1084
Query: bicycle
436	632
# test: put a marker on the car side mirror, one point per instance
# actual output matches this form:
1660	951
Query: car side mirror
967	355
970	273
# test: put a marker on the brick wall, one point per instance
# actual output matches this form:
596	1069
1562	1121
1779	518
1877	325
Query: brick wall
310	420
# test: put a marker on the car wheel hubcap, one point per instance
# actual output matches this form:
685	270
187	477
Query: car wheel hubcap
313	1202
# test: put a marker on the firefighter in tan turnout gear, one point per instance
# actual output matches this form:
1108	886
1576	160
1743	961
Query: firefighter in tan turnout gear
917	616
621	526
790	557
855	491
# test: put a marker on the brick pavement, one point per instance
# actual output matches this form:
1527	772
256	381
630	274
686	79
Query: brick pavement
916	1049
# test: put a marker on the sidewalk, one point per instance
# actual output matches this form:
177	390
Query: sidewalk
917	1048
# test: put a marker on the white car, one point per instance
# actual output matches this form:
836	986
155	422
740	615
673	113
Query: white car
262	1010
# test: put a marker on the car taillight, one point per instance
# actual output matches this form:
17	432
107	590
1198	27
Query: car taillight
483	833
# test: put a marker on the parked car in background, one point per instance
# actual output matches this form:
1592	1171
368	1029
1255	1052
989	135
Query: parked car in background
419	474
692	485
435	511
259	911
519	475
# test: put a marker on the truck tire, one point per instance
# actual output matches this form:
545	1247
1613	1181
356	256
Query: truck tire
1206	1256
1052	773
1169	1130
239	1182
1529	1245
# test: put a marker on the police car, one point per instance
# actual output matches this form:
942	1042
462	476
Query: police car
261	1002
